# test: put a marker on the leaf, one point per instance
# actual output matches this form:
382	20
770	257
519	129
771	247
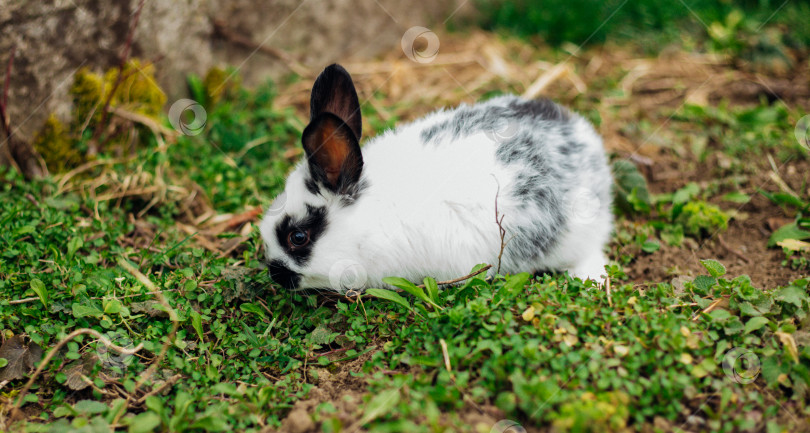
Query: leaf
792	295
211	423
248	307
21	357
82	310
321	335
75	370
685	194
89	406
788	231
755	323
704	282
432	288
410	288
73	245
514	284
528	315
196	323
790	344
39	288
631	191
737	197
719	315
389	295
650	246
144	422
112	306
715	268
794	245
381	404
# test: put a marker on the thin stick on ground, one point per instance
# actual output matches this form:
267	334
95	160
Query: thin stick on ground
24	300
446	356
460	279
708	309
143	279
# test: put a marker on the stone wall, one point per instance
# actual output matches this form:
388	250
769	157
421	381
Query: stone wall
53	38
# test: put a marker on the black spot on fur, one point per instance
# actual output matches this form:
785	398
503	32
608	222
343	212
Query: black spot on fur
314	221
312	186
353	193
283	275
540	144
488	118
544	109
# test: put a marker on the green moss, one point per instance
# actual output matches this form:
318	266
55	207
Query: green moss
699	218
218	83
55	145
603	412
138	90
88	90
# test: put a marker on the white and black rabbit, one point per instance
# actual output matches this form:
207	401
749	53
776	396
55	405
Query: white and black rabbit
421	200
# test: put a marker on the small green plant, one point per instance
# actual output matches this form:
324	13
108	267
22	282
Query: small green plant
701	219
743	40
791	237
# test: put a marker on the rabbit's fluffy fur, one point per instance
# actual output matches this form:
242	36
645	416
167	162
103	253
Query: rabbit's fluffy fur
423	200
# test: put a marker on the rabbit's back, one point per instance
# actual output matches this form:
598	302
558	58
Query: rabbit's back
544	166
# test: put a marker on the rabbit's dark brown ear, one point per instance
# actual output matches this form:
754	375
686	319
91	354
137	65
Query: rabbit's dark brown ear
333	153
333	92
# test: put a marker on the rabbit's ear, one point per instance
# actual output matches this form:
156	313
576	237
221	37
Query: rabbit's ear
333	153
333	92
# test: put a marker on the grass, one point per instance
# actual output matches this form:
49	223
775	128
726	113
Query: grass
658	21
703	351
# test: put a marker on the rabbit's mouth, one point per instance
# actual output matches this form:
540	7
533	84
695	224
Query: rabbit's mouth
283	275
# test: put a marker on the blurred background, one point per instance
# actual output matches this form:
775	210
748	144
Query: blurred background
52	40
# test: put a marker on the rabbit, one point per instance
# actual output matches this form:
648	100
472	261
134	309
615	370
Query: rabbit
430	198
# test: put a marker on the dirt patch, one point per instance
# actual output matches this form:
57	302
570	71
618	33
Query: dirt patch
743	247
338	386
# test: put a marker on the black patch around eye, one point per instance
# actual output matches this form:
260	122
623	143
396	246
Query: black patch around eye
283	275
314	222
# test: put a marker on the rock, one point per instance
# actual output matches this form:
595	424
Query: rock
55	38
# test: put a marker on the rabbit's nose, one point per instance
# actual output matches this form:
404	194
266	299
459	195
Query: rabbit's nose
283	275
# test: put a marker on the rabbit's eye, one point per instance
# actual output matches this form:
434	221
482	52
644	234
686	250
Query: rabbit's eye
298	238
